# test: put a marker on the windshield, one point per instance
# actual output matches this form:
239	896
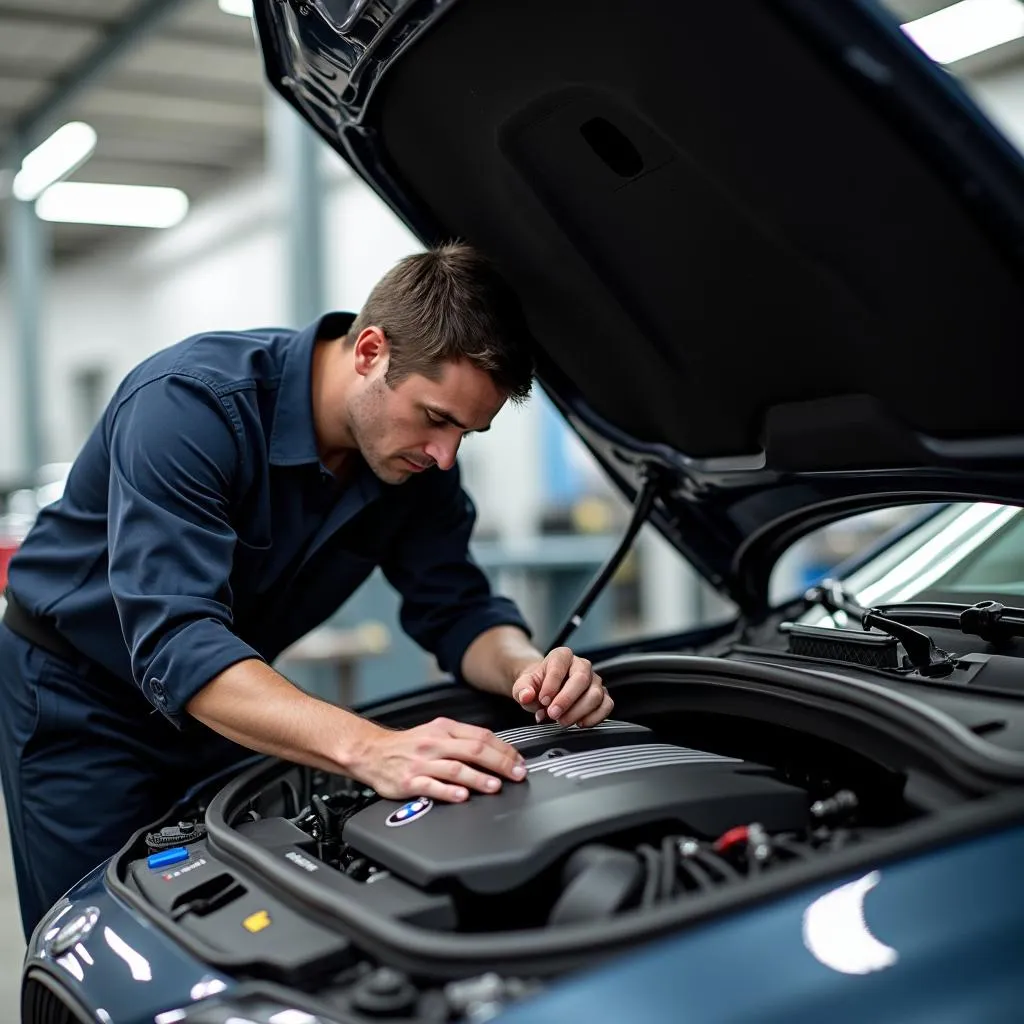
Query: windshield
963	553
993	569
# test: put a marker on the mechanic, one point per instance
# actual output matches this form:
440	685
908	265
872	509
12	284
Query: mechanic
238	488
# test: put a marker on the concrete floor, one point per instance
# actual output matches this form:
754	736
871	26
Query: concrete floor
12	945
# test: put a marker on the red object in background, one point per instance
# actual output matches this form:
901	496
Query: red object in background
7	549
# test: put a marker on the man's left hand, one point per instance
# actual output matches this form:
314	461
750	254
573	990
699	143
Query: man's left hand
564	689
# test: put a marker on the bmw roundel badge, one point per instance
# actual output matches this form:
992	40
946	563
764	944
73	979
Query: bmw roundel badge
409	812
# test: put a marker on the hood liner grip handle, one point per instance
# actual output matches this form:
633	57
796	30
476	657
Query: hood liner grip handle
652	482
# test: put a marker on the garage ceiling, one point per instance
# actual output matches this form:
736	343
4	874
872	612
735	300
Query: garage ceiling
995	59
184	106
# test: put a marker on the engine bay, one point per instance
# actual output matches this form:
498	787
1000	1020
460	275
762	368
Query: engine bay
718	784
608	820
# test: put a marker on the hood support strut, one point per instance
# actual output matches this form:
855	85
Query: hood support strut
652	481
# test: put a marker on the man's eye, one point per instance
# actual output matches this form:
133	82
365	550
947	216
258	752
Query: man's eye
435	421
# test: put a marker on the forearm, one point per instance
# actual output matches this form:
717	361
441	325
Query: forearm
495	659
257	707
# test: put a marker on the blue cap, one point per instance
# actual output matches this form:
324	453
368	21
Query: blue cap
165	858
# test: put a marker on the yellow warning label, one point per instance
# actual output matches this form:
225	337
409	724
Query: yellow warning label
257	922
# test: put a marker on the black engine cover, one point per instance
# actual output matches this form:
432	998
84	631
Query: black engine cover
583	784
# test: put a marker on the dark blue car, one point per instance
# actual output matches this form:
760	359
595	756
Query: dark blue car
774	260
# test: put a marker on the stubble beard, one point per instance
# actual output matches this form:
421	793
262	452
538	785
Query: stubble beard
365	426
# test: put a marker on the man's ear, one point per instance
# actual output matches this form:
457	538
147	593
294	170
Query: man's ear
371	349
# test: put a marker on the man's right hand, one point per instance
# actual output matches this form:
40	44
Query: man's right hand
253	705
440	760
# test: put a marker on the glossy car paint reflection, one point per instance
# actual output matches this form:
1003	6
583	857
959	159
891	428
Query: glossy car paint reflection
123	967
952	922
936	938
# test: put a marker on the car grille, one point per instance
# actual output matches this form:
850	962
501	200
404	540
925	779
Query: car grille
43	1002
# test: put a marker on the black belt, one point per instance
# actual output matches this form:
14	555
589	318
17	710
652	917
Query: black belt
36	629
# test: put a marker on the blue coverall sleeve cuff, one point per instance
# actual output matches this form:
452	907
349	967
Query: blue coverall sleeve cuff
450	649
187	661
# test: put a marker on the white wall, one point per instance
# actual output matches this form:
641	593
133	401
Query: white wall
223	267
1000	94
363	237
218	269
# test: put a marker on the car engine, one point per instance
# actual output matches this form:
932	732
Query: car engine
434	912
579	788
608	819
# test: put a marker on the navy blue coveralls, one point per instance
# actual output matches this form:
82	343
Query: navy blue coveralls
198	528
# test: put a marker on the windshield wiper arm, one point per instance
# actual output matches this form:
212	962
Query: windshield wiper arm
921	651
990	620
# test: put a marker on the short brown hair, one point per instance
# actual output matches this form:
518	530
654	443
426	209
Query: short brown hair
449	304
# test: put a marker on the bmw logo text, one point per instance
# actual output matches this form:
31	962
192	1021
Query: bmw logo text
409	812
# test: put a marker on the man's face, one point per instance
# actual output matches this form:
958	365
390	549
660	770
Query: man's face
419	423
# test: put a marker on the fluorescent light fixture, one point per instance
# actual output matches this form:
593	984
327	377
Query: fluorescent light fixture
132	206
63	152
966	28
243	8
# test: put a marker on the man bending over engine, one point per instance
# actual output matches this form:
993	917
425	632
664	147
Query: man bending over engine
238	489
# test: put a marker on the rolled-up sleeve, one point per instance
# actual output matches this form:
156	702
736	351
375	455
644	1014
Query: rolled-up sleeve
174	459
446	599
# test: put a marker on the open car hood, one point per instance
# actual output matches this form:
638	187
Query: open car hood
768	249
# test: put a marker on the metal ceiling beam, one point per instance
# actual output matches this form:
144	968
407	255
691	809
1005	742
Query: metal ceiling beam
35	123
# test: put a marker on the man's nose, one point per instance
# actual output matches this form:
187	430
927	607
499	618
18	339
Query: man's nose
443	452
